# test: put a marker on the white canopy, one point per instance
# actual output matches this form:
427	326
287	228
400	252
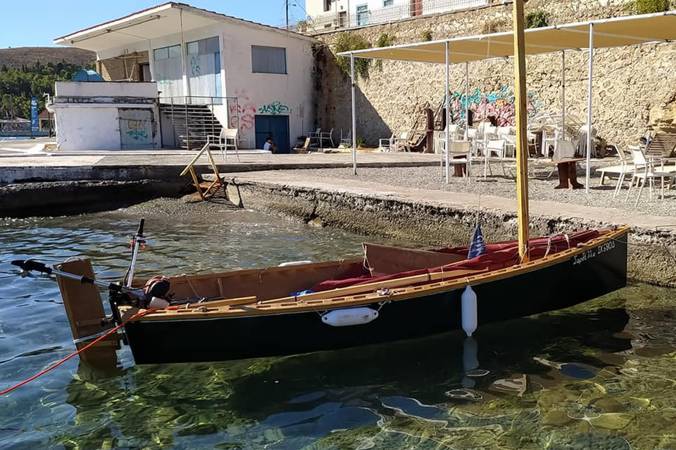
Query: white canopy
615	32
594	34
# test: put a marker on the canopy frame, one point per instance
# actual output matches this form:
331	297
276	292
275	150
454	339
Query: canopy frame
651	22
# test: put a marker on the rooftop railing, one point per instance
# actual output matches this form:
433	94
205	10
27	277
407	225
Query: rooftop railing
335	20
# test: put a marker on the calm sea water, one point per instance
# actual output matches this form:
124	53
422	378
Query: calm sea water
601	375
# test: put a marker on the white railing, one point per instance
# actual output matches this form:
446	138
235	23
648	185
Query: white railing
335	20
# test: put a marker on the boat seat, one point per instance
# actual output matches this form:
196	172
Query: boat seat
387	260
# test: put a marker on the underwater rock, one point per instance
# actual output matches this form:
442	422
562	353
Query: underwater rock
517	385
612	421
556	417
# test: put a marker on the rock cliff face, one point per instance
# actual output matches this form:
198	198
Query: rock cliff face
634	87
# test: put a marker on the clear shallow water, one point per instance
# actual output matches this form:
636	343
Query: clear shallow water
601	375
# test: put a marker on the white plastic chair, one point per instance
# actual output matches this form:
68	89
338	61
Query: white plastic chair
227	139
401	140
458	148
324	135
644	169
315	135
494	147
386	144
624	167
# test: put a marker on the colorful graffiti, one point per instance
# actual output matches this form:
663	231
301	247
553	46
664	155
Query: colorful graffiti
137	130
498	104
244	109
275	108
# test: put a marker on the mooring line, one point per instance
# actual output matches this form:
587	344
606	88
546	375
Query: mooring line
76	352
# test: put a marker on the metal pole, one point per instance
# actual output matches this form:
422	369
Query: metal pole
448	118
467	101
184	64
354	117
521	122
286	7
563	94
589	104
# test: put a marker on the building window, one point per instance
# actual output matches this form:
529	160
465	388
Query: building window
203	47
268	59
362	15
327	5
387	3
167	52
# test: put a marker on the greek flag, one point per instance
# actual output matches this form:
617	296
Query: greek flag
477	246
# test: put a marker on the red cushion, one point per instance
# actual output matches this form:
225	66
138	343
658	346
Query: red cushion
499	255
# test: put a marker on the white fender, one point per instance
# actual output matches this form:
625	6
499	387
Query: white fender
469	311
350	316
294	263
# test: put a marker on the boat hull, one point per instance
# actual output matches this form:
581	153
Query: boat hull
597	271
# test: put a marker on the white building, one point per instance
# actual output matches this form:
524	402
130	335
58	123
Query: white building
332	14
207	70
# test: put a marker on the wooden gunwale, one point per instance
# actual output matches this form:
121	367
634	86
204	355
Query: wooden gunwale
290	305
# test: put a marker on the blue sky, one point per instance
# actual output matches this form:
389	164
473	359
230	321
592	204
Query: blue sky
37	22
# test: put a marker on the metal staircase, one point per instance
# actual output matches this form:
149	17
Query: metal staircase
192	123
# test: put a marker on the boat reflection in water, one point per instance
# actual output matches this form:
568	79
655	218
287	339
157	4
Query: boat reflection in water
384	394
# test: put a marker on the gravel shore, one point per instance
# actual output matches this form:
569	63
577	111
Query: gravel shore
540	187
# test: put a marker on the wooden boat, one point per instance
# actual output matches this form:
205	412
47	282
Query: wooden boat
253	315
390	294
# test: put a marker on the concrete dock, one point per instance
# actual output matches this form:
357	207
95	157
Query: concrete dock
166	165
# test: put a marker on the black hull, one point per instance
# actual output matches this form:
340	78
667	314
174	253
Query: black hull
594	273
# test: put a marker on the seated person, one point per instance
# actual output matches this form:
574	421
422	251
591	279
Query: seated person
270	145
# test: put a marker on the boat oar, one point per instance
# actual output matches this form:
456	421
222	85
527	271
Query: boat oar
30	265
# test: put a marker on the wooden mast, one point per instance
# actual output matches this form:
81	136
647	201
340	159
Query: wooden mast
521	128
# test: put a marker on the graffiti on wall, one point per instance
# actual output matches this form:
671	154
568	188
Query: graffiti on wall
195	69
243	109
137	129
275	108
498	104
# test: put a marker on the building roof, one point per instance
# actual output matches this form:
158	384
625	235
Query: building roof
152	23
615	32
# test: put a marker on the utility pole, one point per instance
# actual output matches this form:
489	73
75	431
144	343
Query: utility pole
286	7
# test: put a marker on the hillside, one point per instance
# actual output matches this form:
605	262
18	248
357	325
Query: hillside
28	56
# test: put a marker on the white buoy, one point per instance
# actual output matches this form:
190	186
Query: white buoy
469	311
350	316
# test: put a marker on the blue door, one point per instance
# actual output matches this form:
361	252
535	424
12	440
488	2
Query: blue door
276	127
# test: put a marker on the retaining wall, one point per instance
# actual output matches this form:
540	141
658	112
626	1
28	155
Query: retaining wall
650	257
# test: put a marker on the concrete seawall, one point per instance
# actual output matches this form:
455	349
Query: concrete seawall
438	218
75	197
72	184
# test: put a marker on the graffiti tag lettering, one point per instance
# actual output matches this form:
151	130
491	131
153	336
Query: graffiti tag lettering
274	108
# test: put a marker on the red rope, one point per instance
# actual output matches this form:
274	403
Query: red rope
77	352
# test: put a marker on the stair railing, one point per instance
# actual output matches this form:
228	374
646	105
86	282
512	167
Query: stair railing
197	126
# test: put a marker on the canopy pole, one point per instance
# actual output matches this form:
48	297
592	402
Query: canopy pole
563	94
184	64
521	117
354	117
466	101
448	118
589	104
